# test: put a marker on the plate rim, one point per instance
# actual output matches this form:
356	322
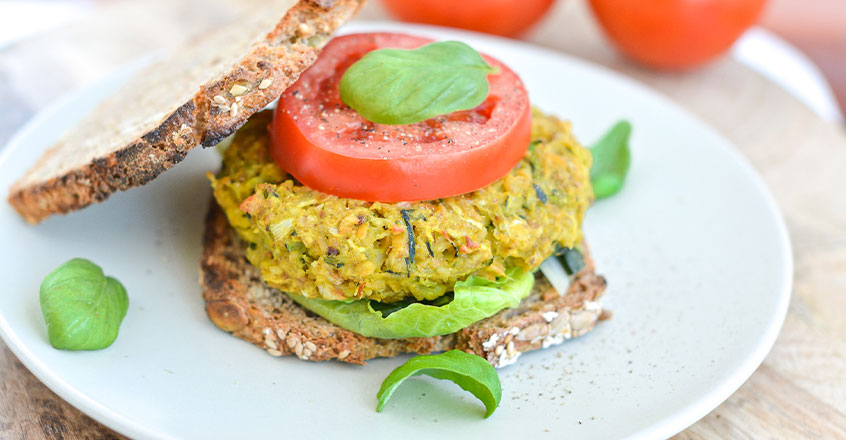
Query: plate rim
668	426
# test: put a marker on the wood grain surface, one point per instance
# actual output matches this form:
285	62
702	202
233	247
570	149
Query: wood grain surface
798	392
816	28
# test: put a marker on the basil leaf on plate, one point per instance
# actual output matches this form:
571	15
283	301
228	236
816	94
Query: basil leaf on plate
471	372
611	160
83	308
400	86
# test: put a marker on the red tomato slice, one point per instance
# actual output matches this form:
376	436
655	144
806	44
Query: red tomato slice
330	148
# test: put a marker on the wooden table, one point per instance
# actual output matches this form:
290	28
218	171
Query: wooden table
799	391
816	28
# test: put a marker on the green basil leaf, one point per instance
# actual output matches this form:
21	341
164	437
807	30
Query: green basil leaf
398	86
474	299
611	159
471	372
82	307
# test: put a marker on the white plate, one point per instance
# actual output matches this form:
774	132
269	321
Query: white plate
695	251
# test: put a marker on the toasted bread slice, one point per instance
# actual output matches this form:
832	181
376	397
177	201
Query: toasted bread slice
238	301
199	94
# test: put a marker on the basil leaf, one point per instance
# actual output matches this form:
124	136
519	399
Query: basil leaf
611	159
399	86
82	307
471	372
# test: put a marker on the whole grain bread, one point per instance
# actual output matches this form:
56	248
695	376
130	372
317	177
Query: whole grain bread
198	95
239	302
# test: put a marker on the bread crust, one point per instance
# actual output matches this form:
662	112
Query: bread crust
213	113
239	302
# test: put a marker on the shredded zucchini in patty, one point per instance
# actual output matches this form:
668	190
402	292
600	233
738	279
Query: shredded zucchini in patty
322	246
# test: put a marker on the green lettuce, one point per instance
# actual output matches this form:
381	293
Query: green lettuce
474	299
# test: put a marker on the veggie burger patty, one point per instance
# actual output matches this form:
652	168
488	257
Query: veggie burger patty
322	246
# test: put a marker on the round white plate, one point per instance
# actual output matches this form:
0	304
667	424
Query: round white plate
695	251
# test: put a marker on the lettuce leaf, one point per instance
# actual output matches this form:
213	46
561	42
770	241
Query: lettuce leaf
474	299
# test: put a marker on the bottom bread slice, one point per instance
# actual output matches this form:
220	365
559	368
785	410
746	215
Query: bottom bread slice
239	302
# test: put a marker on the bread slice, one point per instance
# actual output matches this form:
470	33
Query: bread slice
239	302
199	94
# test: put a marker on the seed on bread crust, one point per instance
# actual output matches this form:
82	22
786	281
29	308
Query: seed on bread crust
227	315
238	89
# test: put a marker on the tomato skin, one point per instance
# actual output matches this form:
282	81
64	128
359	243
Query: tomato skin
330	148
675	34
501	17
399	180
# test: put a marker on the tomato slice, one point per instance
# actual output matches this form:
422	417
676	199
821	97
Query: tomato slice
329	147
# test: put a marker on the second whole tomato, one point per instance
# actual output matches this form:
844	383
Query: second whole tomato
675	34
502	17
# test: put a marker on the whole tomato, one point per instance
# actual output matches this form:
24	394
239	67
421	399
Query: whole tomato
501	17
675	34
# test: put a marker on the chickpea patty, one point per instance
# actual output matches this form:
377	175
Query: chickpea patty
322	246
